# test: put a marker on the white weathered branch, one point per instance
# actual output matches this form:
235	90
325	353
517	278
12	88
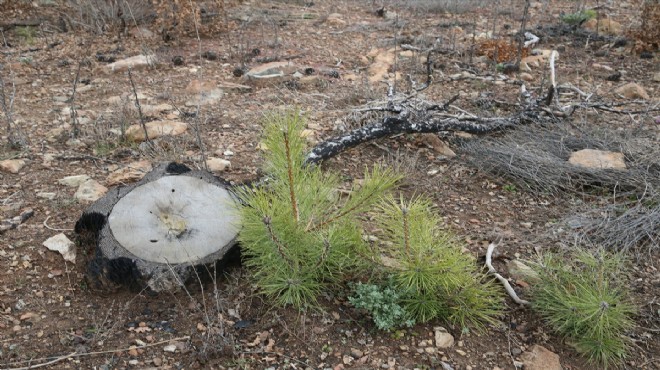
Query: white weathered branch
504	281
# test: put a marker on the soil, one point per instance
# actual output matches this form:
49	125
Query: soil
48	312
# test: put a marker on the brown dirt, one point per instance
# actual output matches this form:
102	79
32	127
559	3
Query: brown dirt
47	311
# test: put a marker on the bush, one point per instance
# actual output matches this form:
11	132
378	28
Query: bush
383	304
584	301
579	17
298	235
434	278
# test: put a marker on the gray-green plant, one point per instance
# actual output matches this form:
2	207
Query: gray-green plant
27	33
582	297
383	304
299	235
579	17
429	269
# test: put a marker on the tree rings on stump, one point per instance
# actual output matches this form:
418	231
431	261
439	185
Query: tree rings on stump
155	232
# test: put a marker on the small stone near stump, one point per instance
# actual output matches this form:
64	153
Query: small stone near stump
520	271
597	159
89	191
61	244
73	181
132	172
540	358
217	164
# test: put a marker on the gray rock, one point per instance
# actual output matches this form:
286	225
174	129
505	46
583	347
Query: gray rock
90	191
12	165
442	338
73	181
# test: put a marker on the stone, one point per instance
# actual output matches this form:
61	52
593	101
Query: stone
141	33
526	77
156	129
656	77
134	63
73	181
90	191
438	145
632	91
597	159
131	173
605	26
442	338
379	69
170	348
12	165
270	73
46	195
520	271
217	164
61	244
335	20
154	110
540	358
206	92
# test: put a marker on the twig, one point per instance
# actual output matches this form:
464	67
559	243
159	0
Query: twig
75	354
52	228
139	108
507	286
523	25
553	81
74	113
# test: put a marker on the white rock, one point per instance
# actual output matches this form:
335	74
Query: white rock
442	338
60	243
46	195
217	164
135	62
90	191
170	348
73	181
520	271
597	159
12	165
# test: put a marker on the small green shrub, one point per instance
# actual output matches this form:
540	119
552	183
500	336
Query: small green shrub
383	304
579	17
584	301
298	235
27	33
427	266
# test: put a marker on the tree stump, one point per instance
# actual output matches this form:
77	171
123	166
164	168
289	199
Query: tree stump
154	233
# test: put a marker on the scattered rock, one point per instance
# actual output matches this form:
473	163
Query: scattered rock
156	129
170	348
73	181
656	77
131	173
270	73
540	358
597	159
60	243
206	92
526	77
46	195
335	20
356	353
605	26
520	271
632	91
383	60
134	63
614	77
217	164
12	165
141	33
90	191
442	338
437	144
234	87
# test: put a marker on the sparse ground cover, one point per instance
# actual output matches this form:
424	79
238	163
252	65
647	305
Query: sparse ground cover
68	113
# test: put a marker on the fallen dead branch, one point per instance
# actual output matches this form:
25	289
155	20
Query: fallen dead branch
502	279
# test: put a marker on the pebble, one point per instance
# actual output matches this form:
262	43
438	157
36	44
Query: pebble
170	348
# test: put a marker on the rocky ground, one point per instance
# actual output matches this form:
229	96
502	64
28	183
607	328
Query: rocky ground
73	99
